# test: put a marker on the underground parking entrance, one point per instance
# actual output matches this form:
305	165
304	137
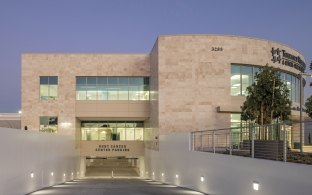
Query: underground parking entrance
112	167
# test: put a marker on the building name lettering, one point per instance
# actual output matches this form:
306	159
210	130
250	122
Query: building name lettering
283	57
112	148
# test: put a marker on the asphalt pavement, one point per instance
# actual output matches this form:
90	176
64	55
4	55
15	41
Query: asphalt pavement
115	186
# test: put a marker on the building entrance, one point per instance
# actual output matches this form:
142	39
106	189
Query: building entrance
112	130
112	167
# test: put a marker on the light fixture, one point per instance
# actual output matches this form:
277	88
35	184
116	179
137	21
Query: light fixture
177	176
19	112
255	186
162	174
153	173
64	175
146	172
72	174
65	124
32	175
202	178
51	173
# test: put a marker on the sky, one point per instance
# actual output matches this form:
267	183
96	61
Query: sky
132	26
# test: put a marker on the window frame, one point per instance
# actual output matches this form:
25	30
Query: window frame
49	85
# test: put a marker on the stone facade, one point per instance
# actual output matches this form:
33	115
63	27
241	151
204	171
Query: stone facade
67	67
194	77
189	81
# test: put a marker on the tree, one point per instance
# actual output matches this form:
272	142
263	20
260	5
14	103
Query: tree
308	105
267	98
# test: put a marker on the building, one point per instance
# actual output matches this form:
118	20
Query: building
115	105
10	120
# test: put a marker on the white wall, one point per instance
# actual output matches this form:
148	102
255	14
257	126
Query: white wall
23	152
224	174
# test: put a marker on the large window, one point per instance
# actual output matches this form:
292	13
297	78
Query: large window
48	87
112	88
112	130
242	76
48	124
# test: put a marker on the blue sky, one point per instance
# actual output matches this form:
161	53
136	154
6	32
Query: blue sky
132	26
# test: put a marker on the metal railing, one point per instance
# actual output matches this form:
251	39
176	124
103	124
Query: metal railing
279	142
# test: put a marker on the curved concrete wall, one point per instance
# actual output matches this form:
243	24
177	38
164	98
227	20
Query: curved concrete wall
193	74
25	152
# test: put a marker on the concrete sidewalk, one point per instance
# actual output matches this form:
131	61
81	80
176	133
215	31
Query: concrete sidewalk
115	186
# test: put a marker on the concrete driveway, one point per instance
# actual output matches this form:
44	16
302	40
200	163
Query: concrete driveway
115	186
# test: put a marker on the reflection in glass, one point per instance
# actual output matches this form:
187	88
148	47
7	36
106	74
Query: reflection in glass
48	87
112	130
123	92
102	92
48	124
235	80
112	88
246	78
242	76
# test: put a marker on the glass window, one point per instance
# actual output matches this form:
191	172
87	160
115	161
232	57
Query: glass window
48	87
81	92
282	76
246	77
123	92
53	90
138	134
121	134
102	92
293	88
48	124
91	92
81	80
112	93
44	92
146	81
110	88
44	80
53	80
242	76
102	80
91	80
235	80
112	80
133	92
130	134
134	80
112	130
146	92
123	81
288	83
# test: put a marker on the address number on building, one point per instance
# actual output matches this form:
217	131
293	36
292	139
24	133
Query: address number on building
216	49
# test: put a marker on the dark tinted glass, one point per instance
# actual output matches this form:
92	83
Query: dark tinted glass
146	80
53	80
81	80
44	120
134	80
53	121
235	69
91	80
123	81
44	80
102	80
112	80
